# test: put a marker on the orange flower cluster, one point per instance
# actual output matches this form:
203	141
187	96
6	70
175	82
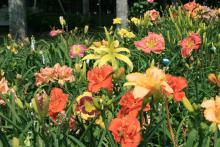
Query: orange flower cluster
58	73
100	77
57	102
126	127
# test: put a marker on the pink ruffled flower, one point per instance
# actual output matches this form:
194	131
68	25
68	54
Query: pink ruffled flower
193	41
150	1
54	32
77	50
153	14
152	43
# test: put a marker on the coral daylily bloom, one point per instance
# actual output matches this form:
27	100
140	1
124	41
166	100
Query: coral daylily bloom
212	110
77	50
190	43
152	82
152	43
100	77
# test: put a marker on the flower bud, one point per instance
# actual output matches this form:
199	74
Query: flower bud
212	78
19	103
62	21
120	72
86	28
15	142
40	103
187	105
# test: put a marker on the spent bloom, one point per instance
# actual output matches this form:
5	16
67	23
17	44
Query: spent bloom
151	43
177	84
126	131
215	79
150	83
100	77
58	101
153	14
190	43
77	50
212	110
117	21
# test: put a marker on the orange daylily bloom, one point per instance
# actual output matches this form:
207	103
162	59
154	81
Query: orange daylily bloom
100	77
57	102
131	105
177	84
212	110
152	82
126	131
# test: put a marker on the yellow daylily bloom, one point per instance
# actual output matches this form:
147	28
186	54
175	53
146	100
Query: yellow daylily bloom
117	21
109	52
150	83
212	110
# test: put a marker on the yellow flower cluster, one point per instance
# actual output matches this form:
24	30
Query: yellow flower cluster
123	33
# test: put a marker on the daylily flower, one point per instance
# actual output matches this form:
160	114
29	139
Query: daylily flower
153	14
117	21
150	83
77	50
58	101
123	33
215	79
3	86
135	20
131	105
177	84
190	6
126	131
150	1
152	43
190	43
212	110
54	32
84	106
49	74
100	77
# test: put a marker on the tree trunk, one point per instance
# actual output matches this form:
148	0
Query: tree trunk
85	7
122	11
17	19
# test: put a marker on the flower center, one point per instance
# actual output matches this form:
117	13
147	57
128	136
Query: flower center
89	107
76	50
151	43
190	44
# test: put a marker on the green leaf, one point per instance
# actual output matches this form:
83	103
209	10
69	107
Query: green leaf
191	138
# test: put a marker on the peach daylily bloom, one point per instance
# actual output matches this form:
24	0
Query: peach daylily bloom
153	14
212	110
150	83
3	86
152	43
190	6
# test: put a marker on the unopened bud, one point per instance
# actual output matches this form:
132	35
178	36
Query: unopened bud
187	105
212	78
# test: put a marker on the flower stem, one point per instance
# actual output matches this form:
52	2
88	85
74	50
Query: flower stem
169	124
